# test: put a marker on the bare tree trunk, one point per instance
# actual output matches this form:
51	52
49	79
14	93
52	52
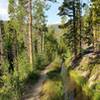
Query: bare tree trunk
80	23
1	50
41	42
30	32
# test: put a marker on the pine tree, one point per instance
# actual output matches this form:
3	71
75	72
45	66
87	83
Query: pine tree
87	27
70	9
12	47
39	24
30	33
19	13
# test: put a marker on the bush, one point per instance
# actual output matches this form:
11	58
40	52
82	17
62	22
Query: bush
96	96
32	77
13	82
80	80
52	90
40	62
10	89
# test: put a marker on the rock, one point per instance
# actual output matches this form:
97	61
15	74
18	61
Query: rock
93	77
91	84
92	80
85	74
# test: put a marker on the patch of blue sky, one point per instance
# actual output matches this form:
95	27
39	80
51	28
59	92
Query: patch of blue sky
52	13
4	10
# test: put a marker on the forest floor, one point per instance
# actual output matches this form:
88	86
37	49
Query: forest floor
32	92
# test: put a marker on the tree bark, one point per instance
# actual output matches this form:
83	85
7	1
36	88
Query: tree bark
74	30
1	50
30	32
80	26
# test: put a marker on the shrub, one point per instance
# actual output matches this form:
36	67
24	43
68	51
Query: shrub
52	90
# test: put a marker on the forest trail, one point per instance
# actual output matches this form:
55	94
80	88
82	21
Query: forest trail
32	92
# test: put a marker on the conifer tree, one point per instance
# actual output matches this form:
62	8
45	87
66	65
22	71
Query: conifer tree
12	48
39	24
70	9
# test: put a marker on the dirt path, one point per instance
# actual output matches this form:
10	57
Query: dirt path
32	92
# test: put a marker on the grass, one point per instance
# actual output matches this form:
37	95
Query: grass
52	90
93	92
77	78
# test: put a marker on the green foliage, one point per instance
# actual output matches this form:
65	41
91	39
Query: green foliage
54	74
96	96
9	90
88	91
92	92
55	65
13	84
50	47
87	28
40	62
23	66
50	93
53	80
72	9
79	79
32	77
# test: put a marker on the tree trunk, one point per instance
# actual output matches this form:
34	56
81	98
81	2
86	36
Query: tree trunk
74	30
1	50
80	25
30	32
41	42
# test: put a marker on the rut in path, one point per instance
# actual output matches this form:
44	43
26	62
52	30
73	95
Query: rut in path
32	92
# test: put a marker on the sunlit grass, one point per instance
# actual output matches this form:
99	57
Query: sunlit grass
52	90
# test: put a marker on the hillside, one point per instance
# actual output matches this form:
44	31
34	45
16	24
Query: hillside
55	27
79	83
86	76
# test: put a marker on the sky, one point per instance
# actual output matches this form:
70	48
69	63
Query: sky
3	9
52	13
52	16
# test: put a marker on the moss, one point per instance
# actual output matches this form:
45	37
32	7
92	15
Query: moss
92	92
96	96
80	80
68	61
88	91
